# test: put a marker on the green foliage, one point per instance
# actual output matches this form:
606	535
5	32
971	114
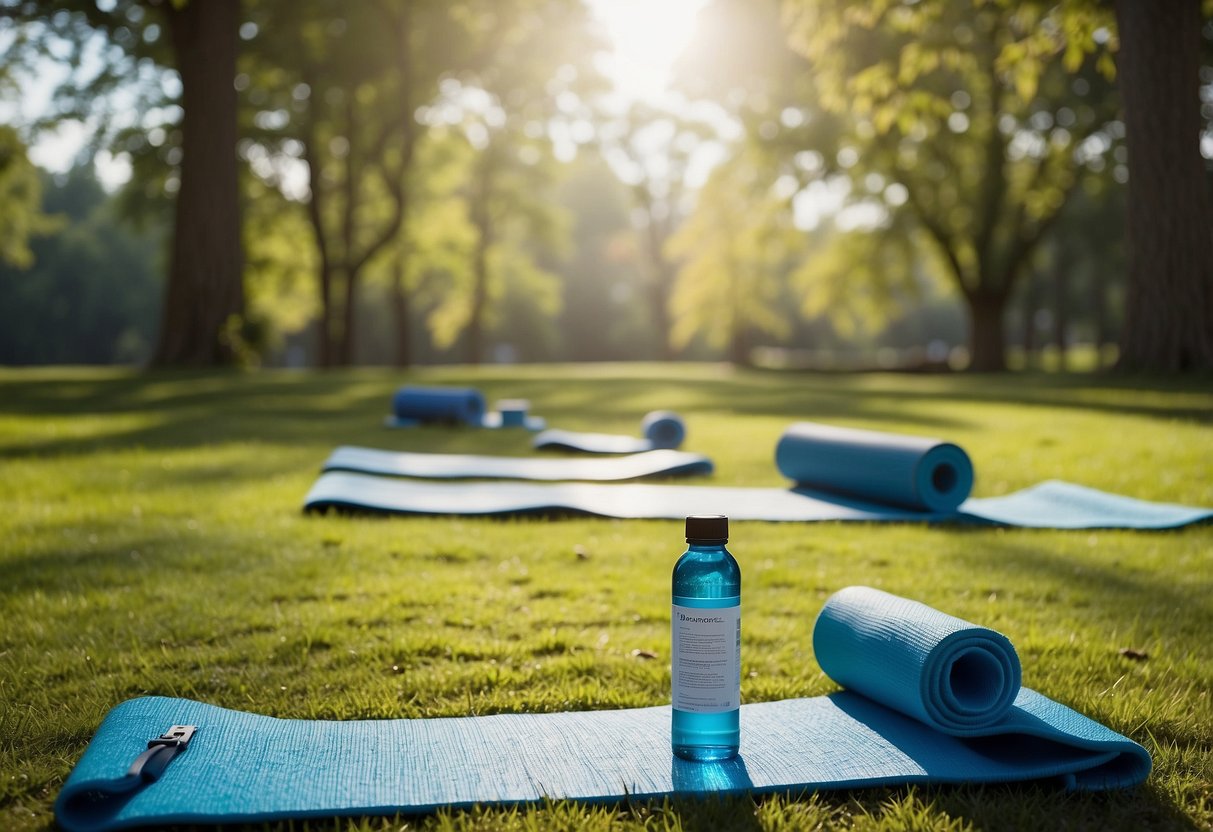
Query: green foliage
976	118
153	544
21	216
93	290
278	270
860	279
735	247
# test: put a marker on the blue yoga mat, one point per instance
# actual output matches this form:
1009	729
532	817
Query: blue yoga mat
929	699
847	476
658	429
468	466
886	468
413	406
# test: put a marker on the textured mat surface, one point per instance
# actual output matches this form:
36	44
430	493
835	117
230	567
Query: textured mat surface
245	767
467	466
658	429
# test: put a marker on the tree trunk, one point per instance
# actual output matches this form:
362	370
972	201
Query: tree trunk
480	277
661	283
353	173
483	221
1061	288
402	312
1169	302
1098	303
205	281
987	347
1029	322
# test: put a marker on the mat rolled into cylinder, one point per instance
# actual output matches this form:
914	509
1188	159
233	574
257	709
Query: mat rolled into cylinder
663	429
464	405
891	469
659	430
954	676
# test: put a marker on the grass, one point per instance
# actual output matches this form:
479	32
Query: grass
151	542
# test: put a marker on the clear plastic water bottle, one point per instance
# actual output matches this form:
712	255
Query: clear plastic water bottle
706	644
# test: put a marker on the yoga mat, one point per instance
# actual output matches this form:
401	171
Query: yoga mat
241	767
467	466
886	468
872	477
658	429
413	406
1050	505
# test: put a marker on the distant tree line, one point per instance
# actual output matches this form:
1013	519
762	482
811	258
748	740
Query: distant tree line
392	180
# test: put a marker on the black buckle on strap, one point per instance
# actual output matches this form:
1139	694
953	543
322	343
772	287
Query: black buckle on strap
149	765
178	735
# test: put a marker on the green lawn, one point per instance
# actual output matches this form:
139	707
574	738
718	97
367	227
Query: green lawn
151	541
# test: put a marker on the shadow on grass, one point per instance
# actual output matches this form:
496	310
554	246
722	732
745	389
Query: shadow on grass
1119	589
198	408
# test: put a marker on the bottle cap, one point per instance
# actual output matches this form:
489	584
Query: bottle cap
707	528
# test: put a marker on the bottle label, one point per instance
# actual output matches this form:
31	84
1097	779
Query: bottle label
706	658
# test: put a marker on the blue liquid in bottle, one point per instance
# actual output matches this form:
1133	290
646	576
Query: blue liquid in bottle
706	644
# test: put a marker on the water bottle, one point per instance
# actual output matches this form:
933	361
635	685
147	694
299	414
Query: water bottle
705	644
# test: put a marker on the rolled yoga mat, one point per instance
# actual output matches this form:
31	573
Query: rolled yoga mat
890	469
412	406
659	429
241	767
909	480
468	466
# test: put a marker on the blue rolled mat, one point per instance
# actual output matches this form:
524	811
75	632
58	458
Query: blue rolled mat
659	429
413	405
241	767
890	469
468	466
902	479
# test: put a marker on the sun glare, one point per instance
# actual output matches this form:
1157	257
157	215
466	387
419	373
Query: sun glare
647	36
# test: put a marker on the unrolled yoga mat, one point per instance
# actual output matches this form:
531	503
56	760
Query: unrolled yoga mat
413	405
658	429
467	466
929	698
838	474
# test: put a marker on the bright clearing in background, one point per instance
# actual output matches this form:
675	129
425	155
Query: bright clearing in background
647	36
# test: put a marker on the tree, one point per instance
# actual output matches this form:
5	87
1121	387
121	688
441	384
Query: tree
205	289
736	249
205	282
93	282
336	85
21	216
963	116
532	86
1169	305
652	152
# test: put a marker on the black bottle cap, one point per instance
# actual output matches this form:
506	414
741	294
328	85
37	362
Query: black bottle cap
707	528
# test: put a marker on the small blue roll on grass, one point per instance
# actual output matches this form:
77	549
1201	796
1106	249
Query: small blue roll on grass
460	405
663	429
955	676
887	468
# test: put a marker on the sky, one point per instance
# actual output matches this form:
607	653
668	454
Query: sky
646	36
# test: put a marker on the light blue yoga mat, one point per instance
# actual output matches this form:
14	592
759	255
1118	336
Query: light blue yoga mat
658	429
468	466
413	405
245	767
908	479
